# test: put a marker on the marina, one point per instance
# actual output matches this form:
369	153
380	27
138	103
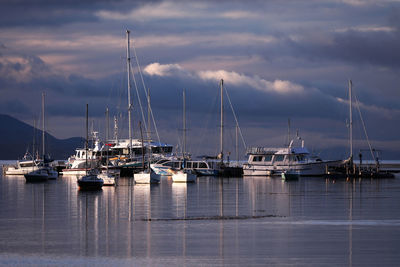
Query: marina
230	221
220	133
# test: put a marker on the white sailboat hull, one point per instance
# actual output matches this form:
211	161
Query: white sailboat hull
183	177
107	178
146	178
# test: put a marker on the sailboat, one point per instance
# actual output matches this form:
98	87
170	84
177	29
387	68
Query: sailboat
146	176
44	172
90	181
107	177
184	175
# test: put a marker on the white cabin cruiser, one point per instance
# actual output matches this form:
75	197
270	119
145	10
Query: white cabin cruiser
22	167
265	161
199	167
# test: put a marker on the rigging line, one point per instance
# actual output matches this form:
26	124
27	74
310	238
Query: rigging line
363	124
236	120
139	100
144	88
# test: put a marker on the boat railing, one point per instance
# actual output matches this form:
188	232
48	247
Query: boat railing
262	150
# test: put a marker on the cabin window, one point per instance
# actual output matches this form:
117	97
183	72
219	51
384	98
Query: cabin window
279	157
195	165
169	164
166	149
257	158
300	157
188	164
268	158
203	165
177	164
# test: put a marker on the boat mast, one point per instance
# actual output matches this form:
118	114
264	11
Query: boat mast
148	127
351	121
184	124
141	136
87	137
128	63
107	134
288	132
222	122
148	114
34	141
116	129
237	144
43	146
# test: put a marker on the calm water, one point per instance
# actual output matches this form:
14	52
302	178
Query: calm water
235	221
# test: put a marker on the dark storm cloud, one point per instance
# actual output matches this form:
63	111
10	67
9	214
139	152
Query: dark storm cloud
55	13
373	48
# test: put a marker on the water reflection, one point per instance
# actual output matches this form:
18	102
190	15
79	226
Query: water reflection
241	221
179	197
88	221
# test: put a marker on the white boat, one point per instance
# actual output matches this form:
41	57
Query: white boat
108	178
84	158
265	161
184	176
21	167
146	177
200	167
75	172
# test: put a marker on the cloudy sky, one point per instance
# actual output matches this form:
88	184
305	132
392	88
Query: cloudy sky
278	59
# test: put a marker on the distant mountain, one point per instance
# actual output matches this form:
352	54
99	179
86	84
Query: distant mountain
16	137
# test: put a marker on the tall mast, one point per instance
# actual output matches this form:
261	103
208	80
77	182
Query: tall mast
237	144
87	136
43	146
222	121
351	120
148	114
141	136
107	133
184	124
288	132
128	63
34	139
